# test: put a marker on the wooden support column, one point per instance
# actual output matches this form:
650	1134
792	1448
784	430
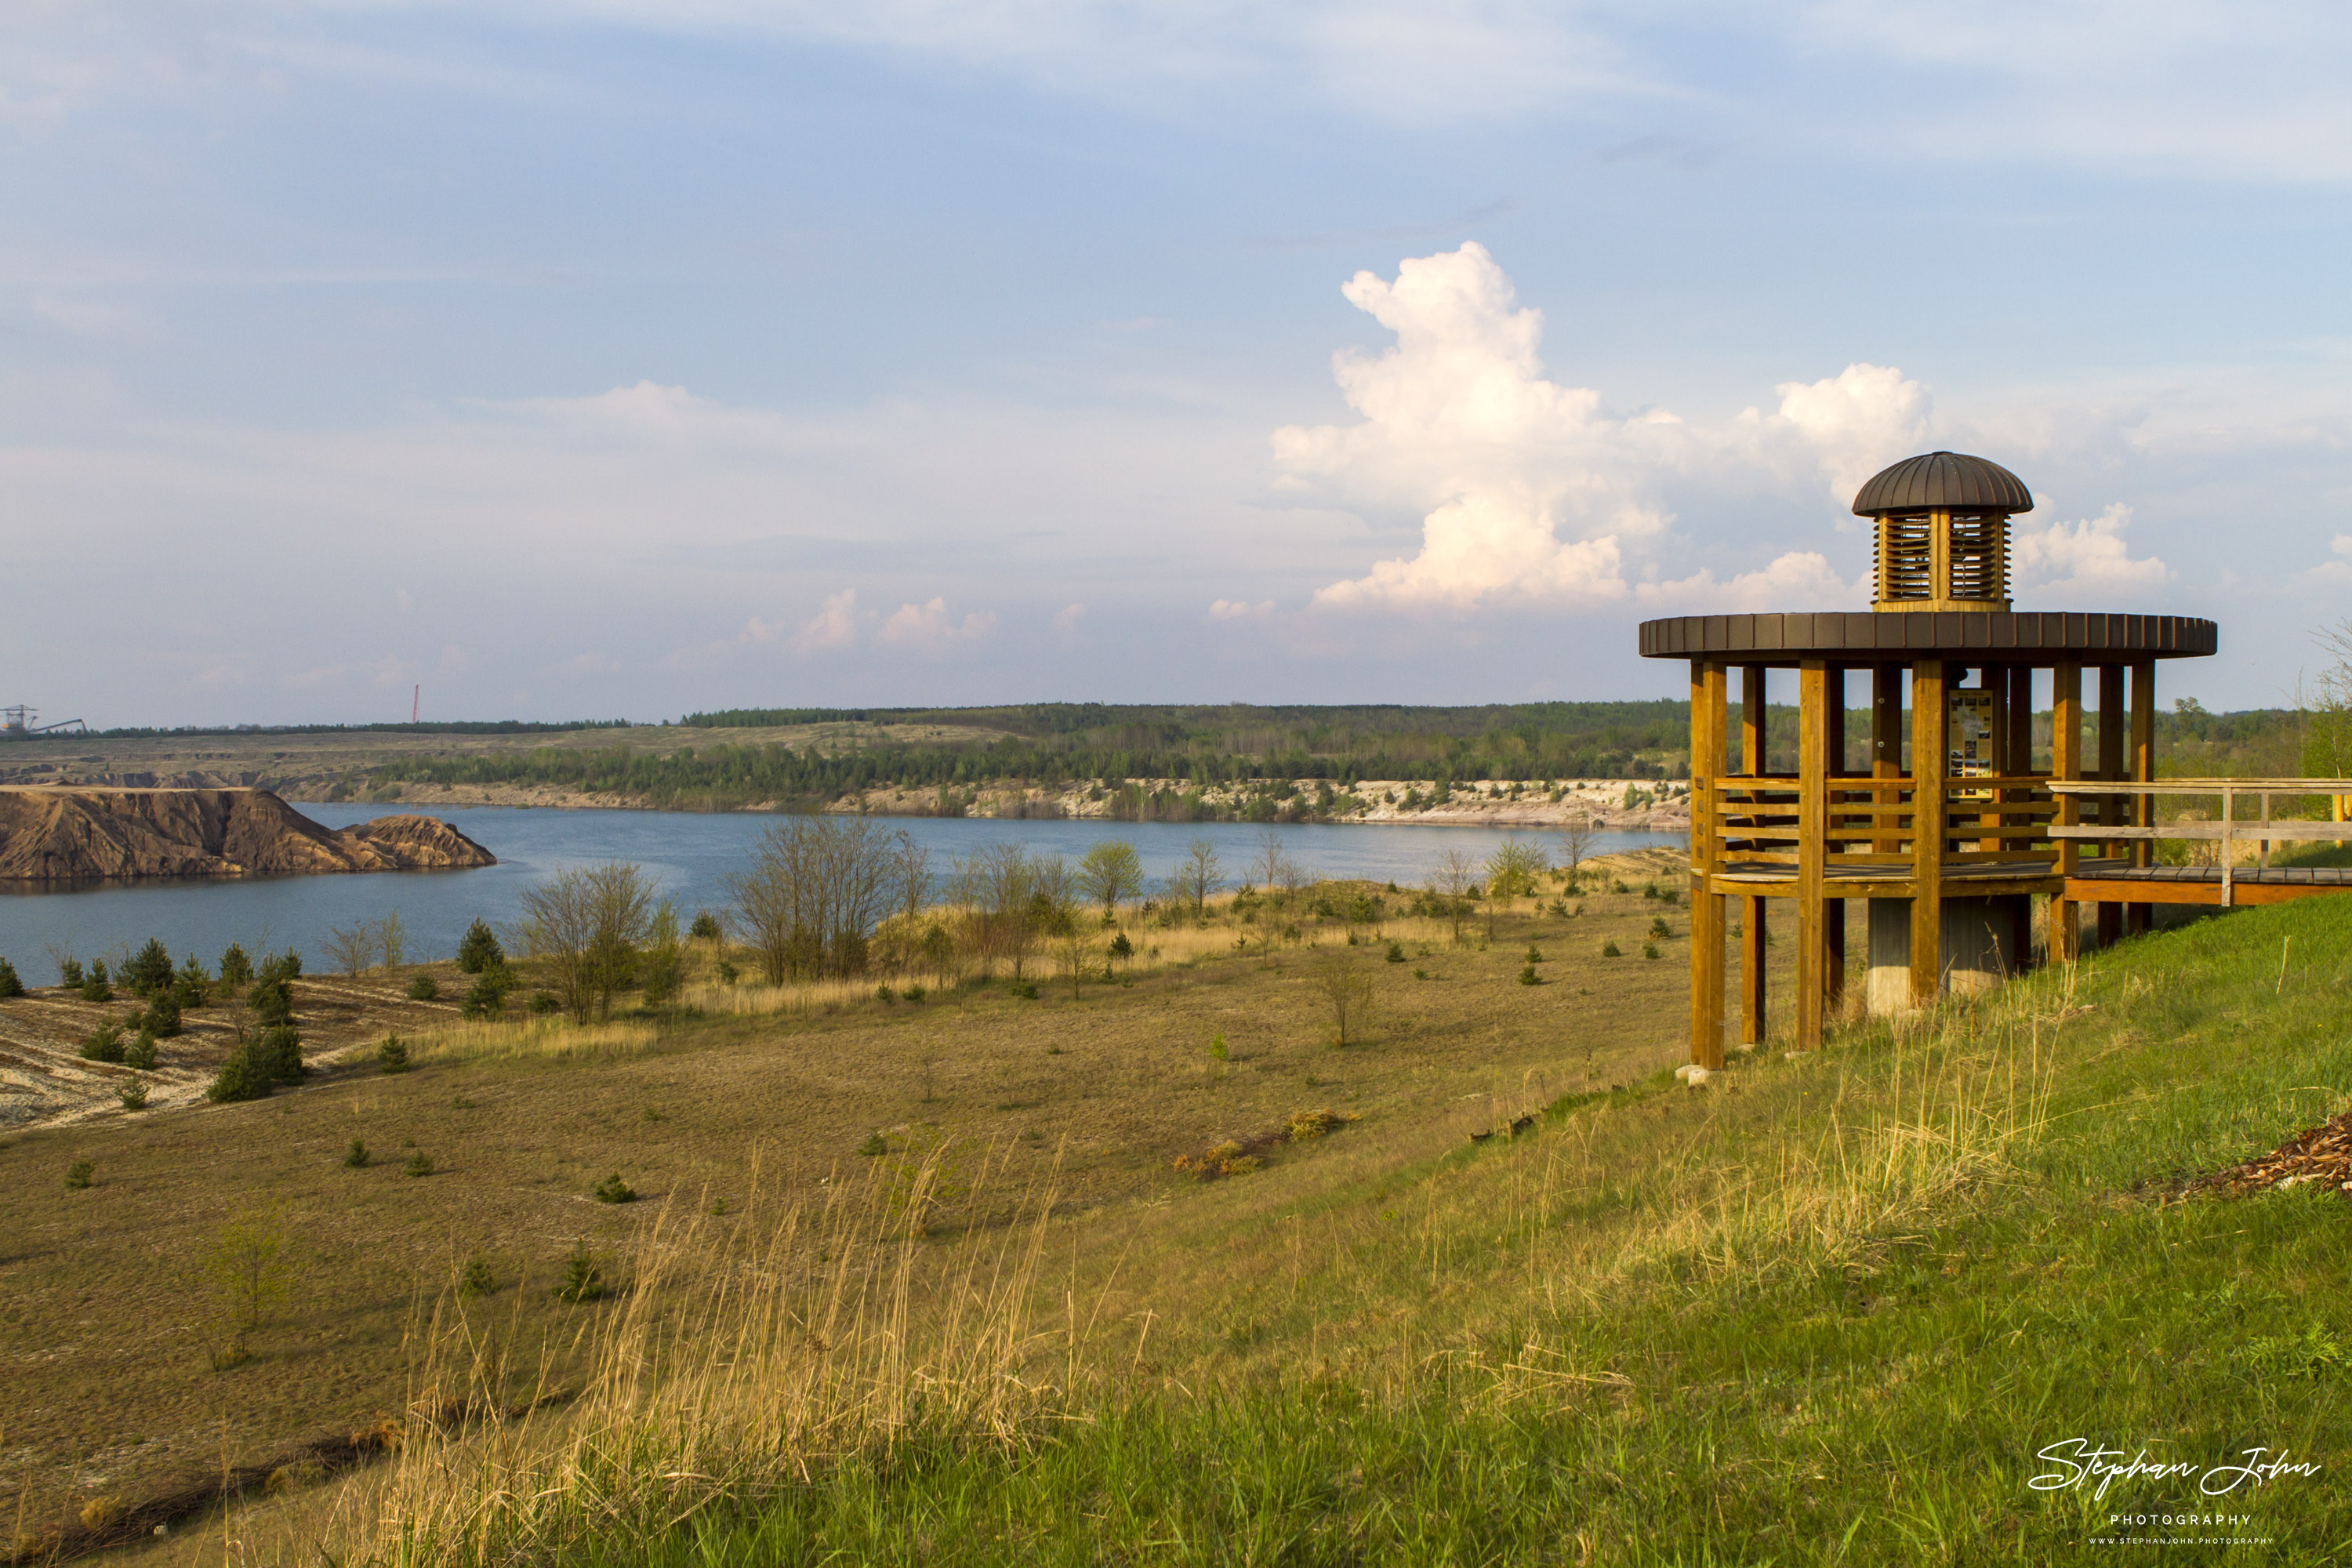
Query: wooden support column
2063	936
2111	808
1812	844
1834	908
2137	918
1885	747
1928	760
2021	721
1707	746
1753	929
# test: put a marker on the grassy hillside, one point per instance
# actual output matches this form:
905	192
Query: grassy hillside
1833	1309
1844	1308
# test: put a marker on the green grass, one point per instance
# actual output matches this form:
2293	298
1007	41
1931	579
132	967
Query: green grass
1825	1310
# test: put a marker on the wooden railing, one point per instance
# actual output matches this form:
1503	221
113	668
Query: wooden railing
2226	830
1871	821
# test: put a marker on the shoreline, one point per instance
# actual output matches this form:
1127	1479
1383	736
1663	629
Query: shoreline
1600	802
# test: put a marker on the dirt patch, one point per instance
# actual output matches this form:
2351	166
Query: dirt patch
2318	1156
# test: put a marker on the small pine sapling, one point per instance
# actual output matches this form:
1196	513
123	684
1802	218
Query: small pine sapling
612	1190
479	950
356	1157
133	1094
393	1054
422	988
419	1164
581	1280
78	1174
10	985
1609	950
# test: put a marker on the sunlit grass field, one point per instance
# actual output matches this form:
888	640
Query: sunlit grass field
1837	1308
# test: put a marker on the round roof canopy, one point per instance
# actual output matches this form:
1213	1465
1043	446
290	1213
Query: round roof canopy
1943	481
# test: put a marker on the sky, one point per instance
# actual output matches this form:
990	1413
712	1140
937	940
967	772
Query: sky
556	359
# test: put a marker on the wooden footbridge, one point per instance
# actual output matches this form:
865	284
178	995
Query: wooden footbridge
1943	822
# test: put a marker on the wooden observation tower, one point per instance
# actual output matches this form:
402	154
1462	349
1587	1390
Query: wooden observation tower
1950	816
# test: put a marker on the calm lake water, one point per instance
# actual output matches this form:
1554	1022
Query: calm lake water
688	855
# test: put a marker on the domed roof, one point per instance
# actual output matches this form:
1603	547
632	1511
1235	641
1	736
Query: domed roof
1943	481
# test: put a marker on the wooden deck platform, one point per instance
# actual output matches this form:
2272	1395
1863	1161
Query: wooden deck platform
2093	883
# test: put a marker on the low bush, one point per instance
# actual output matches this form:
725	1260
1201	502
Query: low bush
242	1077
103	1044
423	989
874	1146
1396	953
884	994
272	1001
612	1190
279	1053
479	950
10	985
580	1280
356	1157
1650	949
133	1094
486	998
542	1003
1026	990
78	1174
916	993
149	971
142	1053
393	1054
1528	976
1609	950
728	974
419	1164
476	1279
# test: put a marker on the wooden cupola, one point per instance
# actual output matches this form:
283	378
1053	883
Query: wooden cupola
1943	531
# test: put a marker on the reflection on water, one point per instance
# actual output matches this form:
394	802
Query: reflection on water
689	856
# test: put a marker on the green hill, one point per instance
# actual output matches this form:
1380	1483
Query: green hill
1878	1305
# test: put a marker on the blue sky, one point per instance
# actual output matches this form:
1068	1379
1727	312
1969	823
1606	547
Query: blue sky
600	357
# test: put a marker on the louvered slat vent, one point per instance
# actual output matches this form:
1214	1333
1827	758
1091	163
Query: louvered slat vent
1906	558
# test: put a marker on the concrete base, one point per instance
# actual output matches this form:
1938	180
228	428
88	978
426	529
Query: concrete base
1978	935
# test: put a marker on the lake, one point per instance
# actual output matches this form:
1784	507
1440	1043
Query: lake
689	856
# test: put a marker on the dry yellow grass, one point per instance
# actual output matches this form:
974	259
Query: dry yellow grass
103	1290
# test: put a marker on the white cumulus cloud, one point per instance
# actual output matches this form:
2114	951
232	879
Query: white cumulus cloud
832	626
929	628
1531	490
2089	558
2339	571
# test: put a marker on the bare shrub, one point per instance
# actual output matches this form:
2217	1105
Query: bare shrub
1348	991
588	923
816	888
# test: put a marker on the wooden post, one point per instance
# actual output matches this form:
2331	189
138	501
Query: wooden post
1753	929
1928	762
1813	844
2021	721
2064	934
2111	808
1833	907
2137	918
1885	747
1707	744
